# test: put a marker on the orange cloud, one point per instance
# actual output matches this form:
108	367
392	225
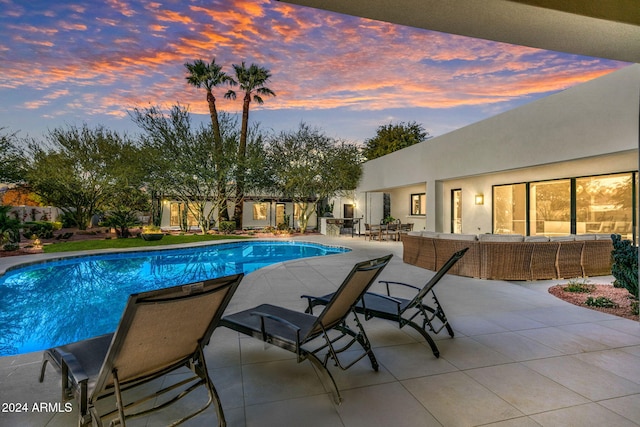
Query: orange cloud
170	16
122	7
318	60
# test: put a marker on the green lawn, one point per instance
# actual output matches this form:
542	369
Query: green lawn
86	245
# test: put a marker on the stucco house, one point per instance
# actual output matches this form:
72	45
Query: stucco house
259	212
564	164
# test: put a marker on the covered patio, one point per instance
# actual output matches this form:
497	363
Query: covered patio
520	357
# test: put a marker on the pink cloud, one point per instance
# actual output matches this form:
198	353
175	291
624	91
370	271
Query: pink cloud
318	60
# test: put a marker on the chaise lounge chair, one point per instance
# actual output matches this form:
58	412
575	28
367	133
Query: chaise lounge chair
402	310
297	332
160	332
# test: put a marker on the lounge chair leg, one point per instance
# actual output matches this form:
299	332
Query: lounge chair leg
427	337
337	398
366	345
440	314
213	393
118	395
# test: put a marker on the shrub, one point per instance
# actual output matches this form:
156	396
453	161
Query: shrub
625	264
11	247
9	225
41	229
227	227
122	220
67	219
603	302
151	229
582	287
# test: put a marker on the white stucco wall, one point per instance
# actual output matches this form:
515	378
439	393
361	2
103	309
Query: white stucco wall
588	129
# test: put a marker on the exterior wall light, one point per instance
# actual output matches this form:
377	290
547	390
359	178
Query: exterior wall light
479	199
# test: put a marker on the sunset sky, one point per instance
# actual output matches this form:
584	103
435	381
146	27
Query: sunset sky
69	62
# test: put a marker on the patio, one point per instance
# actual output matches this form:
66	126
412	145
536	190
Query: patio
520	357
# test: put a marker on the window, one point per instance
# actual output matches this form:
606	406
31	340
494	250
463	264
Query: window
260	211
593	204
550	208
418	204
179	214
604	204
456	211
510	209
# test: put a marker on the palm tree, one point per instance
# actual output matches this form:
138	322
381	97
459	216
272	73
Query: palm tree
202	74
252	82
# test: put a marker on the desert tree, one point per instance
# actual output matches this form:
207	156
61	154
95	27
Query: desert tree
81	169
182	161
308	166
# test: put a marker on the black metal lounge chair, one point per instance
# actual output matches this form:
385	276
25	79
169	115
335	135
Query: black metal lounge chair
294	331
402	310
160	331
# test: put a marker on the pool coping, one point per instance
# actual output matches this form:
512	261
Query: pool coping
20	261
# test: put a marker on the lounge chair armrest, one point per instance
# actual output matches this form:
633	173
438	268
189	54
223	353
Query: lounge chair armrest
69	368
71	365
388	282
310	302
285	322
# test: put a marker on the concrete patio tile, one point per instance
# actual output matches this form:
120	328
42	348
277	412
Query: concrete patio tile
627	406
618	362
361	374
525	389
565	314
382	406
475	325
517	347
19	385
281	380
604	335
228	383
311	411
223	349
563	341
635	350
455	399
411	361
631	327
582	378
466	353
513	321
589	415
514	422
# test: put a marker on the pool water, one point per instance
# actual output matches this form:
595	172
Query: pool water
58	302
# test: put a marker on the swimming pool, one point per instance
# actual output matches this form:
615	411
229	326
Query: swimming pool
58	302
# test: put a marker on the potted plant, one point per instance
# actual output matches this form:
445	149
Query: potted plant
151	232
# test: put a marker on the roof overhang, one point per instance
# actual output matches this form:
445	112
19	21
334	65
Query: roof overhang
604	29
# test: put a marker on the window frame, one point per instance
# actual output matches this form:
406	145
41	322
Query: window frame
422	200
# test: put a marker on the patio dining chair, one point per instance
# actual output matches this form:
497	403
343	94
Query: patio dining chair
161	331
402	310
311	337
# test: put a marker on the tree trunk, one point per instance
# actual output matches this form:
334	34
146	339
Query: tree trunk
242	150
223	215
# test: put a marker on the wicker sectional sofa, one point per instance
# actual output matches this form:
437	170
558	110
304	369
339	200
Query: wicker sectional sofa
512	257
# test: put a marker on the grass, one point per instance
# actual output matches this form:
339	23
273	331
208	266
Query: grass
87	245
